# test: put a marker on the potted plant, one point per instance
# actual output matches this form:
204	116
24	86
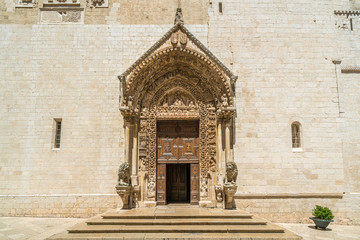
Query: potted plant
322	217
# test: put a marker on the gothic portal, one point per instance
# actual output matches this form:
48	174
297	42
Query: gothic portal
178	107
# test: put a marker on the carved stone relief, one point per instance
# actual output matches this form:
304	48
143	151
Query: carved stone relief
177	83
179	39
26	3
62	11
186	63
97	3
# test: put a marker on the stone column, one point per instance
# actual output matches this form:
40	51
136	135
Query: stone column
219	153
134	165
127	142
228	152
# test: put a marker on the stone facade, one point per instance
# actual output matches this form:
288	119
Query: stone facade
295	62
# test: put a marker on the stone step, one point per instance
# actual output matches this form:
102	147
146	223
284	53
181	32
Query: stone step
176	221
177	236
84	228
172	216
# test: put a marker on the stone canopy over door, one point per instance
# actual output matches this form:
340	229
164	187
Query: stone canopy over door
178	80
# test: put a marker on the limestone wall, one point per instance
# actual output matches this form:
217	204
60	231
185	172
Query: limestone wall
282	51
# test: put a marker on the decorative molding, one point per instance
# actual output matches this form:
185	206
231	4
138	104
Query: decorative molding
62	12
97	3
350	69
54	3
287	195
347	12
26	3
178	78
60	195
175	28
190	66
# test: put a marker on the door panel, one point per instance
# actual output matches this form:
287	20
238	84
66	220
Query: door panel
161	184
177	183
194	184
178	141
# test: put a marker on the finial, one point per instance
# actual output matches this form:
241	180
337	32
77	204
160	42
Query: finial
178	16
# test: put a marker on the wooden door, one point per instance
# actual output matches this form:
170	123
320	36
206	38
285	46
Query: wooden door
178	144
177	183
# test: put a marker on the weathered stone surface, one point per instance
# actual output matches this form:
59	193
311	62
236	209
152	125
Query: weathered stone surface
282	52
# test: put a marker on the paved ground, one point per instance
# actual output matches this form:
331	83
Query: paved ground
333	232
19	228
42	228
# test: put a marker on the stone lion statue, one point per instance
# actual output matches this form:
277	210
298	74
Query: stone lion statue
231	172
124	175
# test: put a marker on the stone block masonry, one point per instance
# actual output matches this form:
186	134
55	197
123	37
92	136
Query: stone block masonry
283	53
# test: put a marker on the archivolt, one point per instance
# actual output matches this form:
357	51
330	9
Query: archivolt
175	66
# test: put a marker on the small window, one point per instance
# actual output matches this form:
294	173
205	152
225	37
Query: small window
220	7
57	133
296	134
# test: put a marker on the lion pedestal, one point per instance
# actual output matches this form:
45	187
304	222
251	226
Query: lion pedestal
230	187
125	193
128	194
229	191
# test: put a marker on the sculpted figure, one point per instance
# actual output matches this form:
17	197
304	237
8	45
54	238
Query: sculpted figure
144	112
203	187
124	175
219	197
151	187
130	100
178	16
224	101
231	172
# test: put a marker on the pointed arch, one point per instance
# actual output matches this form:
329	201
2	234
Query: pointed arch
178	78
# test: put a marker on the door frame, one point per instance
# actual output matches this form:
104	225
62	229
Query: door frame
161	171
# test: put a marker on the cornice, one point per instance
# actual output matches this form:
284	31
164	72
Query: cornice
347	12
350	69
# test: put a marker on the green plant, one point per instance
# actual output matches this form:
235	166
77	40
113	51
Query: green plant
322	213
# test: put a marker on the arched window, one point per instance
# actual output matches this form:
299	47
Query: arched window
296	134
